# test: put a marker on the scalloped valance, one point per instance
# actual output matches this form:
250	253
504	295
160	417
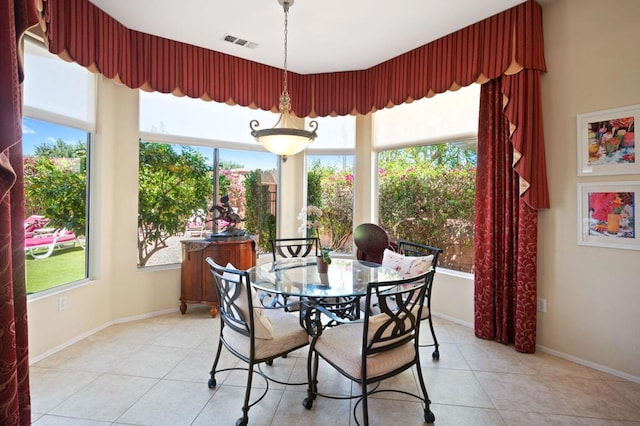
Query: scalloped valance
505	43
502	45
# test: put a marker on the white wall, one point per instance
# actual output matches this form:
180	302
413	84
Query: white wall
593	293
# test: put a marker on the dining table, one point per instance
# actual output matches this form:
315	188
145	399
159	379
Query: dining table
339	290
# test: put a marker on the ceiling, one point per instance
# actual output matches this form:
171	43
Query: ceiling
323	35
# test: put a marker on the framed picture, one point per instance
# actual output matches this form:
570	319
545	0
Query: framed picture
606	142
608	214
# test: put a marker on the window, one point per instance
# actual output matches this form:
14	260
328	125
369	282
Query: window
330	187
426	195
193	153
330	180
59	106
177	190
426	168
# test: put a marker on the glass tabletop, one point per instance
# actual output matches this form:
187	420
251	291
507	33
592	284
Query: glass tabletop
299	276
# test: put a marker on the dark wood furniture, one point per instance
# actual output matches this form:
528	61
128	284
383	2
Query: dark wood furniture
371	241
196	282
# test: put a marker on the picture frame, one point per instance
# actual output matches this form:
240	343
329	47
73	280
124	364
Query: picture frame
608	214
606	142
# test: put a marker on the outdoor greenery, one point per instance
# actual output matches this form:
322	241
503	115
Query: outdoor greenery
331	189
64	202
426	195
171	187
259	219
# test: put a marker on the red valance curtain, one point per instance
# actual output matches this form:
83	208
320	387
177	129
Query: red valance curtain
505	43
15	405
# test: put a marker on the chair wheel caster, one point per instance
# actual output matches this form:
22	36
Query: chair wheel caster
435	355
429	417
242	422
211	383
269	362
307	403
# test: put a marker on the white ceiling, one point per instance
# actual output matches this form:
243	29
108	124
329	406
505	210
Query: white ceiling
324	35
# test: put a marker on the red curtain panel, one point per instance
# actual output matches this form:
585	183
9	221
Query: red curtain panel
15	406
505	241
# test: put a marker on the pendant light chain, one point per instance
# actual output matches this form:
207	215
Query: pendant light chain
284	138
285	100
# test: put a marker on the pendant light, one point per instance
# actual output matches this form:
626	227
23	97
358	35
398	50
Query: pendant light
284	138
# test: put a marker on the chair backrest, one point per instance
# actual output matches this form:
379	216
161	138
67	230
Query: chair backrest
294	247
395	319
235	302
371	241
408	248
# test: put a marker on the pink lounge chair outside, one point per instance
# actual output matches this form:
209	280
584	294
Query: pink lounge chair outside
33	223
42	246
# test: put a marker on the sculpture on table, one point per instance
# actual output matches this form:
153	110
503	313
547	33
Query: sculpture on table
226	217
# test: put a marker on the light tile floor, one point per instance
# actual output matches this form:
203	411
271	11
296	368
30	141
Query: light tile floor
155	371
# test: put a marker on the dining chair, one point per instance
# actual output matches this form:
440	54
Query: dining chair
380	346
371	240
413	258
253	333
292	247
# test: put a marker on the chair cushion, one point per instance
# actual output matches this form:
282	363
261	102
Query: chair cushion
262	323
409	266
377	321
287	335
341	346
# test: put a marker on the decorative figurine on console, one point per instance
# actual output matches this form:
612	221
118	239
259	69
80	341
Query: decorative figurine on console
225	215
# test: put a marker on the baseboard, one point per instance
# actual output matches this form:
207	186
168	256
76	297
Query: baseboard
589	364
453	319
97	329
559	354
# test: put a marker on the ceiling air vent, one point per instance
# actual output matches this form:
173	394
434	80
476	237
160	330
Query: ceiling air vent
239	41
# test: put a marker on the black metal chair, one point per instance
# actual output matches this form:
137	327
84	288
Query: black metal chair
294	247
379	346
253	333
421	250
286	248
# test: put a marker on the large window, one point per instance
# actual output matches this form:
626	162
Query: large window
59	110
426	168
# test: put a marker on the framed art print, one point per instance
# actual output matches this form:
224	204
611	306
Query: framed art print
606	142
608	214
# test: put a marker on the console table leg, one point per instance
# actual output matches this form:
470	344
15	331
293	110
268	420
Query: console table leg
183	307
214	311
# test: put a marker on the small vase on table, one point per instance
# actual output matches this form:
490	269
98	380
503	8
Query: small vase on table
323	266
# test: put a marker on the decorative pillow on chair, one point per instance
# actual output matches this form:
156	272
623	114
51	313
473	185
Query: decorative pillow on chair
408	266
261	322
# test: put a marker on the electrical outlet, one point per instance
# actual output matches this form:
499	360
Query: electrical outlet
62	304
542	305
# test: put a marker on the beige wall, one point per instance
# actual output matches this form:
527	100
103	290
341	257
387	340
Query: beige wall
592	293
118	289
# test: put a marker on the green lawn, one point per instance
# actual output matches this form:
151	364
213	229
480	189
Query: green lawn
62	267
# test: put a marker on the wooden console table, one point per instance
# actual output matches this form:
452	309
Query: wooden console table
196	281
